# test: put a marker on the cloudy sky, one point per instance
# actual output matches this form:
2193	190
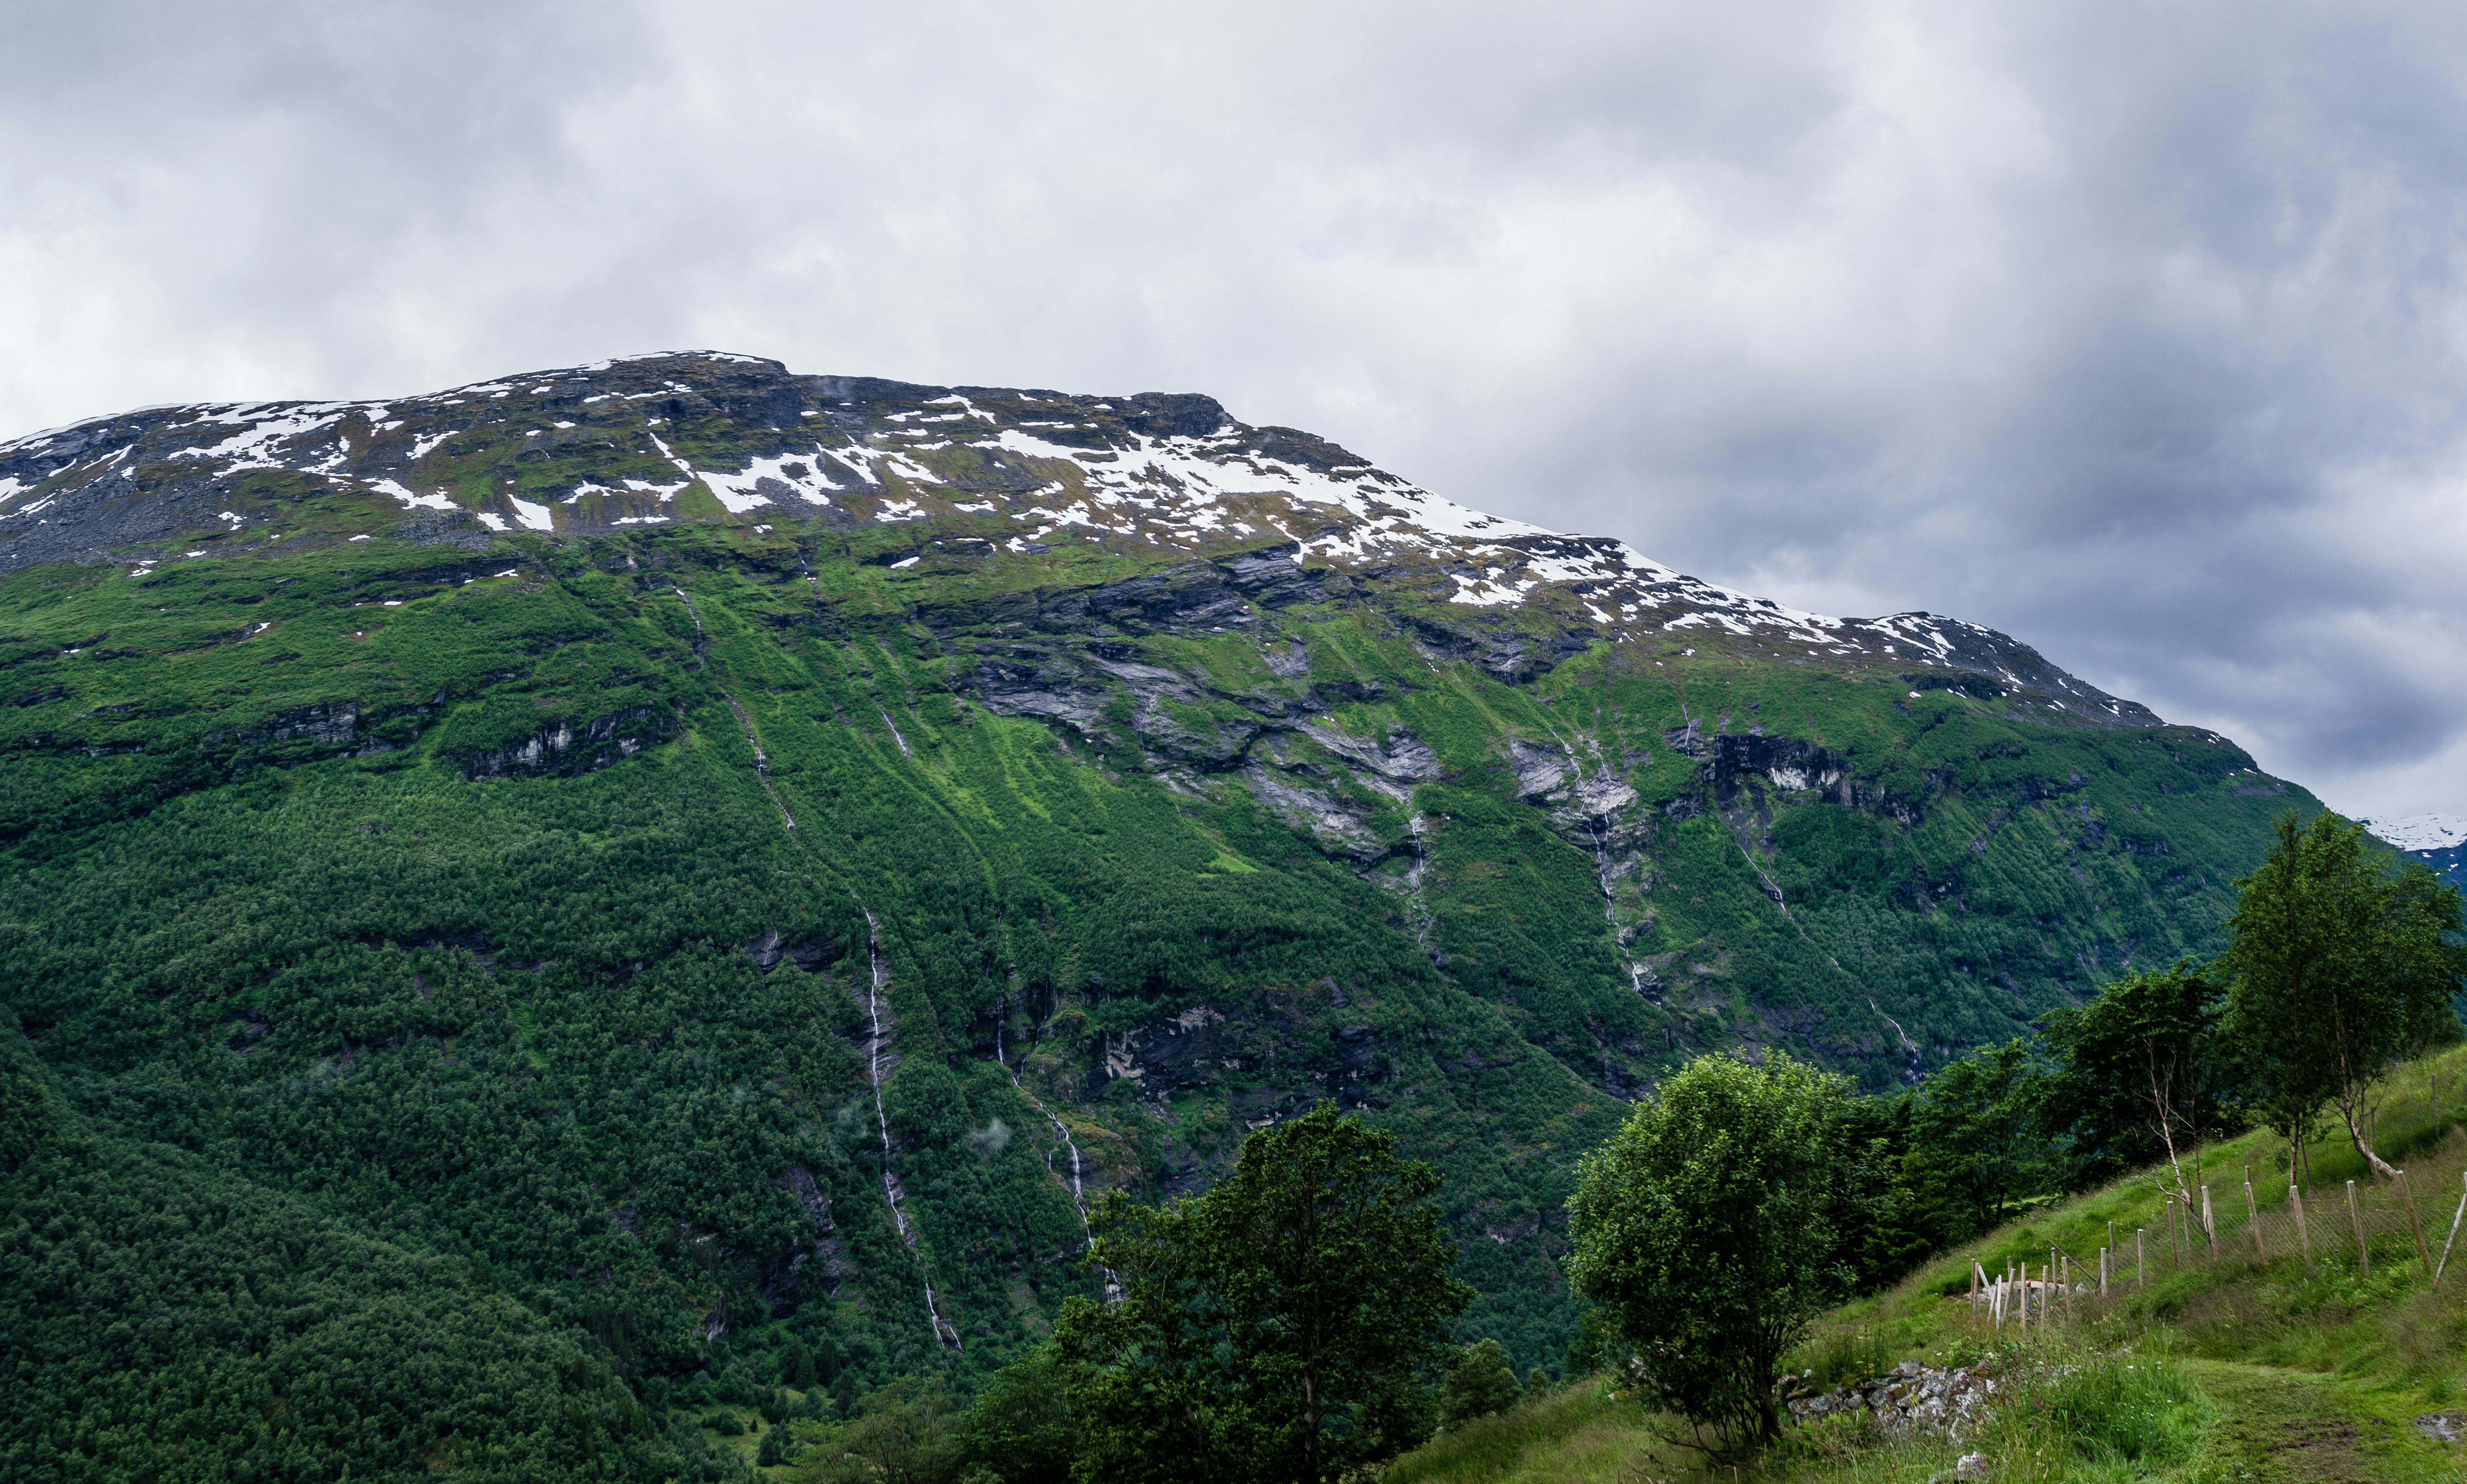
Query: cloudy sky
2136	330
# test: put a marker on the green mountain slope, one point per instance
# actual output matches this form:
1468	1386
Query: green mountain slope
735	852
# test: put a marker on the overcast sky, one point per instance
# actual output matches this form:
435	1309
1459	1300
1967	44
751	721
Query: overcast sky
2136	330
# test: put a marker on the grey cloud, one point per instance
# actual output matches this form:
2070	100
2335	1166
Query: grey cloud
2131	328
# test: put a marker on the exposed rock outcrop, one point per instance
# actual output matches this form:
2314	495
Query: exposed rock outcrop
1910	1398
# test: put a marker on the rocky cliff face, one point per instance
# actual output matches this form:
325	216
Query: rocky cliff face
818	833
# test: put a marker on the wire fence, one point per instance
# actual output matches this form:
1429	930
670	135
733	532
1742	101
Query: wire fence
2358	1228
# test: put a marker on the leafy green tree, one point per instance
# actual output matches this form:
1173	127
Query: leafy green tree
1537	1384
2140	1076
1274	1327
1977	1125
2344	961
797	1367
1020	1430
908	1433
1704	1229
1147	1368
1479	1383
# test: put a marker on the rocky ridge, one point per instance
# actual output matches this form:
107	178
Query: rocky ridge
655	440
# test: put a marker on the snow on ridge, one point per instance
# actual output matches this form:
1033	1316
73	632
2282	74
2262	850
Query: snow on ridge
1179	489
740	491
410	501
251	447
2421	831
1180	477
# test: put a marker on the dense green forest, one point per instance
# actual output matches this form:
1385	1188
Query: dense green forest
645	968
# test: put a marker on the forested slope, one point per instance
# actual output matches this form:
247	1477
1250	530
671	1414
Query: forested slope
717	918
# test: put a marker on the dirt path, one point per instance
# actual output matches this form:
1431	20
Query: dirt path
2301	1428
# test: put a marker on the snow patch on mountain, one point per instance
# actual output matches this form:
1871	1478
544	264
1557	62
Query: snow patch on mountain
2420	832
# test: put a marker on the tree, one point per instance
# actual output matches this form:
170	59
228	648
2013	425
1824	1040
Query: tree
905	1433
2139	1077
1977	1124
797	1367
1021	1430
1145	1369
1479	1383
1701	1228
1277	1327
2344	962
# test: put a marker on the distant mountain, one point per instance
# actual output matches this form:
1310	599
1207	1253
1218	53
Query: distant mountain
740	858
2439	839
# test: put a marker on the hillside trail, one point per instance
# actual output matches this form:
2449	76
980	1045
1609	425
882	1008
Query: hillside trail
2287	1427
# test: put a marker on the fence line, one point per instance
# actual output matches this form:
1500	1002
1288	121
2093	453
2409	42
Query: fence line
2351	1227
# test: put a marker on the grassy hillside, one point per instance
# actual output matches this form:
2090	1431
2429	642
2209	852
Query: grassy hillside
2224	1367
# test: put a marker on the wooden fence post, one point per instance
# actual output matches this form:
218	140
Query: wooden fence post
2175	1248
2210	1226
2453	1237
2304	1237
2252	1218
2141	1257
2414	1224
2356	1218
2102	1270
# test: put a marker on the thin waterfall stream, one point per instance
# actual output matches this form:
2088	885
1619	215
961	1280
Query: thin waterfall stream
1079	1191
942	1331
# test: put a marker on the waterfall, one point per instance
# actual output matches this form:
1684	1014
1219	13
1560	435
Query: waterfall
943	1332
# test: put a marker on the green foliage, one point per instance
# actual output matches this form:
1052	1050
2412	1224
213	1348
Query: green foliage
1704	1228
1978	1126
32	1114
2140	1076
1020	1429
1279	1326
156	1313
265	904
1479	1383
2343	961
908	1433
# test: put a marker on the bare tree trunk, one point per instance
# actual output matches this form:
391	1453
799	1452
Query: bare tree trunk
2352	1111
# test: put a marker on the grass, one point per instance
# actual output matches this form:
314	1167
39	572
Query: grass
2235	1371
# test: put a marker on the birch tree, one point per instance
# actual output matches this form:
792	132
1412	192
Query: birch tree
2344	961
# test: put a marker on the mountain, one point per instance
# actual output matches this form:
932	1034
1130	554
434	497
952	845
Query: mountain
2437	839
732	857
